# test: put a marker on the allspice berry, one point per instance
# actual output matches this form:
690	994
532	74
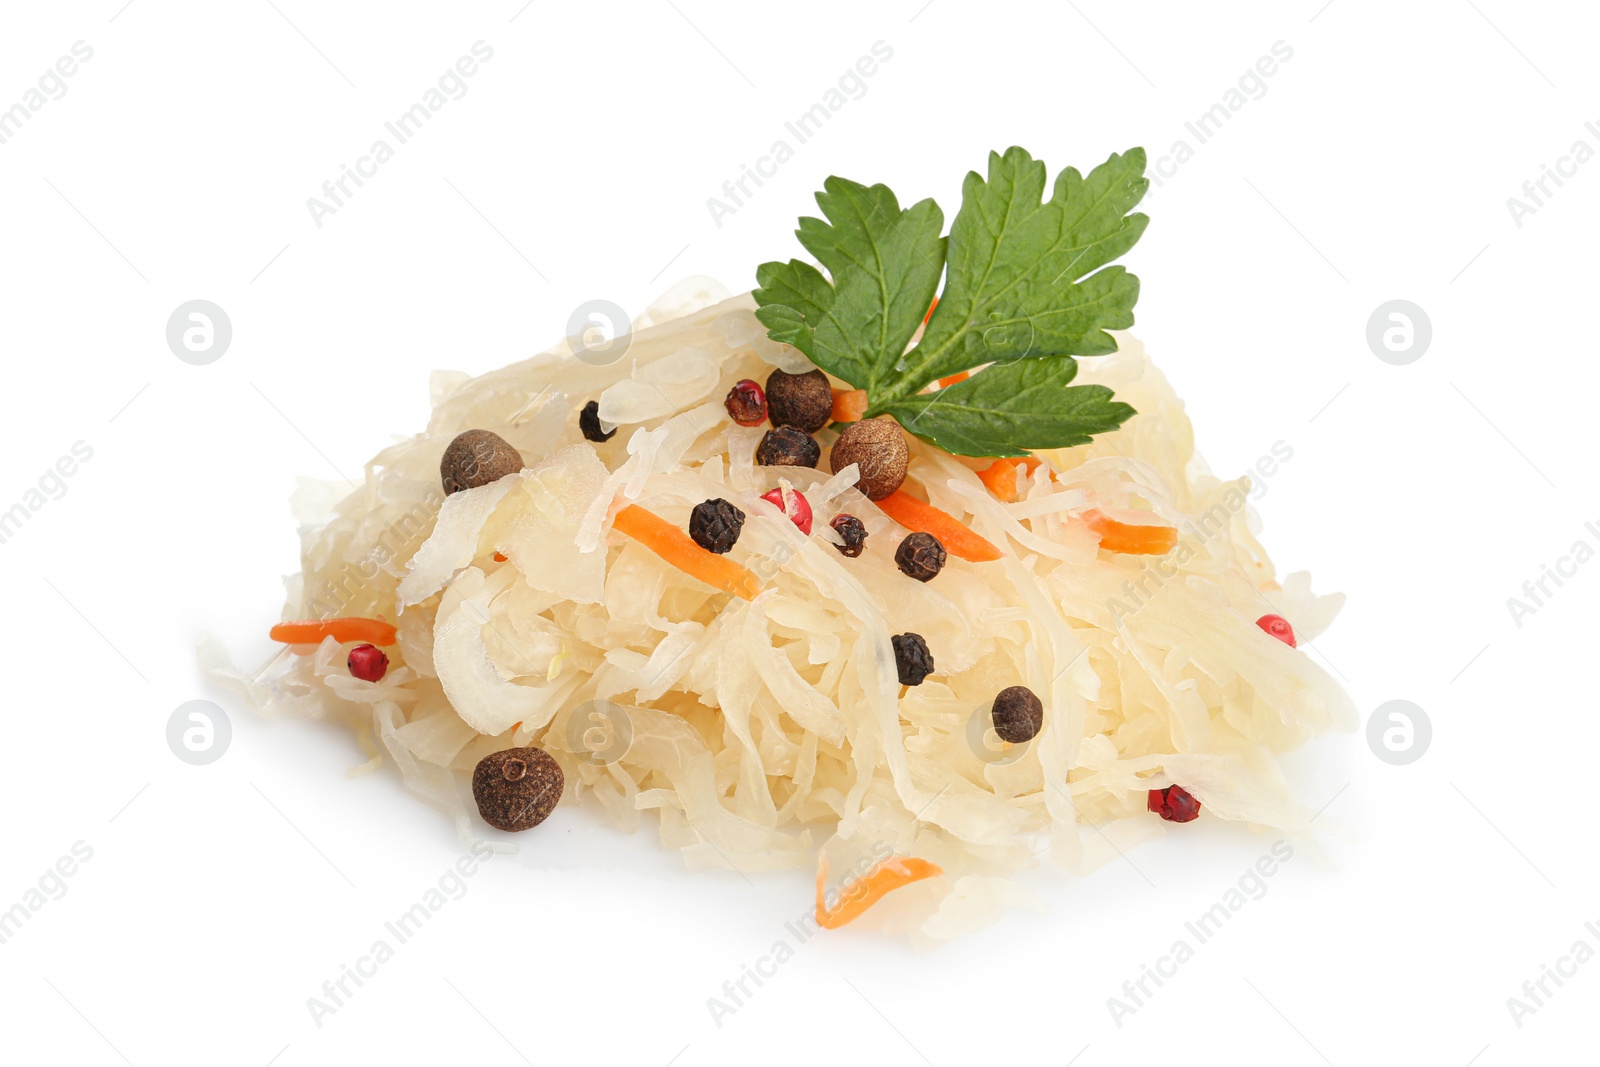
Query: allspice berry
477	457
878	447
517	788
920	556
785	446
804	401
1017	714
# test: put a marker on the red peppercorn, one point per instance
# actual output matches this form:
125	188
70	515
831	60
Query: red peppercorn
1278	627
1174	804
799	510
746	403
368	663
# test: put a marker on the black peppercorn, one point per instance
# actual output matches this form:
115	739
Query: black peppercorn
852	532
1017	714
517	788
785	446
920	556
715	525
477	457
589	423
804	401
912	660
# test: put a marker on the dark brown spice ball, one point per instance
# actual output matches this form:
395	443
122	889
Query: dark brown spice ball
1017	714
715	525
853	533
517	788
804	401
878	447
912	660
477	457
785	446
920	556
589	423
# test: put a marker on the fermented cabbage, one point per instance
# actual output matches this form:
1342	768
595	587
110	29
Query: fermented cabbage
761	731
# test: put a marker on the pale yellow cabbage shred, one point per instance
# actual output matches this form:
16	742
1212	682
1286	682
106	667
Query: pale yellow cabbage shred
763	730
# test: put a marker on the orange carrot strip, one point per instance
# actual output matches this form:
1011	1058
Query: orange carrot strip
500	557
958	376
1001	475
956	537
679	549
1001	478
856	898
849	405
312	631
929	315
1134	539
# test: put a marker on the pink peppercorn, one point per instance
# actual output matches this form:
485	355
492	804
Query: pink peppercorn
1278	627
1174	804
799	510
368	663
746	403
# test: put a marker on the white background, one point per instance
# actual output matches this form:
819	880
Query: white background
1376	166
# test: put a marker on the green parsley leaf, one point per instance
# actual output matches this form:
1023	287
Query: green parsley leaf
1015	264
795	298
1010	408
885	264
1029	286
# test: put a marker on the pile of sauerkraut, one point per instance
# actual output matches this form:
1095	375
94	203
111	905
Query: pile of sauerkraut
760	731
